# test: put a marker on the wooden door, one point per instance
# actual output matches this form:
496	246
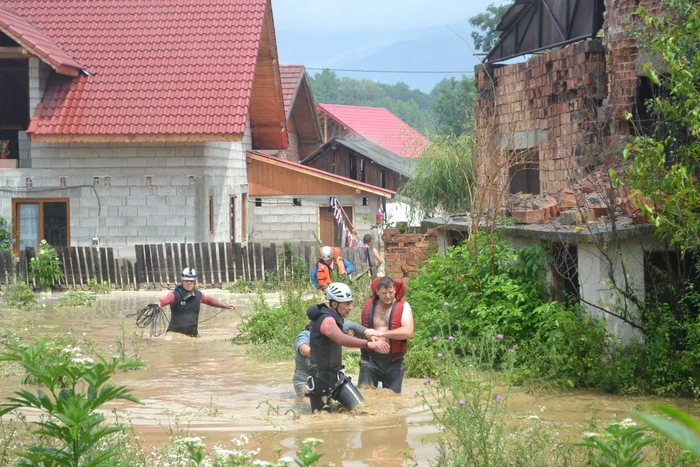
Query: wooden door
329	232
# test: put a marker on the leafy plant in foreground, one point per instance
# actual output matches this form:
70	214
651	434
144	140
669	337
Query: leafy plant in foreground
75	389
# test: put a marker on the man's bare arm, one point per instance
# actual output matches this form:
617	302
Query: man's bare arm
330	329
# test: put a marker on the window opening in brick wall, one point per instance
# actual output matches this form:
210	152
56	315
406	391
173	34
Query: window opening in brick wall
258	202
644	117
525	172
365	201
296	201
108	181
211	214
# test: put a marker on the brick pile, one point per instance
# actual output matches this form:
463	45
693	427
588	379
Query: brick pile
405	251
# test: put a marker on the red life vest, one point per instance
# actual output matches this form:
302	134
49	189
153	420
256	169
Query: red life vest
397	347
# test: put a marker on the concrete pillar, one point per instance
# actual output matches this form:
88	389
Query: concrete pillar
595	271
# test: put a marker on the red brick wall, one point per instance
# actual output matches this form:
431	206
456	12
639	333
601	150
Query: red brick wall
404	252
555	92
578	94
622	51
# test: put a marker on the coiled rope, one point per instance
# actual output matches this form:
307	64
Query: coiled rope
152	316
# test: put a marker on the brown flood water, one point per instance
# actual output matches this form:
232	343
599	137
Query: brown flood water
215	390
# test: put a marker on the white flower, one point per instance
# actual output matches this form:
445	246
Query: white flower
286	460
533	417
590	435
259	462
627	423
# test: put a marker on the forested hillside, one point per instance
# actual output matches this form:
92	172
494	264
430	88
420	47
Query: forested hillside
443	110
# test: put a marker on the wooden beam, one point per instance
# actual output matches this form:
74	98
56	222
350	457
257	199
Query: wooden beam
9	52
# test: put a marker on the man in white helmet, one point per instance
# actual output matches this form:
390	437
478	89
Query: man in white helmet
331	267
185	302
327	341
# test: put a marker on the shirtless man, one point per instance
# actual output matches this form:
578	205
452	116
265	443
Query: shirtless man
392	320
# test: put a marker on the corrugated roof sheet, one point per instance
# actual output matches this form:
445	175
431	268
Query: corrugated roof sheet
158	66
379	126
36	42
291	77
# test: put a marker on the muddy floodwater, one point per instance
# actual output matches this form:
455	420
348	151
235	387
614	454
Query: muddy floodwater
215	390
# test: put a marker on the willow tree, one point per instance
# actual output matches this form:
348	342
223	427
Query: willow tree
443	178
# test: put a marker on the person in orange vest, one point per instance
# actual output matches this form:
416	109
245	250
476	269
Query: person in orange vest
330	268
391	317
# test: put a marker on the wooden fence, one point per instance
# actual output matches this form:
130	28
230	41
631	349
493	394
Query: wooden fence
158	266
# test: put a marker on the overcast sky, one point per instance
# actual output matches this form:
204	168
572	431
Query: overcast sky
388	15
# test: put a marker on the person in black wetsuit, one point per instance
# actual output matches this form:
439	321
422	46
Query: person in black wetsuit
185	302
327	341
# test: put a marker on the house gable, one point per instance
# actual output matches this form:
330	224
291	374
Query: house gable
303	127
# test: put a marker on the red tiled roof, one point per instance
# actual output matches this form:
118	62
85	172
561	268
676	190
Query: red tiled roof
181	67
36	42
379	126
291	77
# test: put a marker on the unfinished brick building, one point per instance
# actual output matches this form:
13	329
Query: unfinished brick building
553	125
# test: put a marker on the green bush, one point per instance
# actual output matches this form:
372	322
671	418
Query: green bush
76	298
45	268
485	286
273	329
19	295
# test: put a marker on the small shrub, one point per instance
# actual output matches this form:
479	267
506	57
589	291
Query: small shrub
19	295
45	267
6	238
103	288
76	298
273	329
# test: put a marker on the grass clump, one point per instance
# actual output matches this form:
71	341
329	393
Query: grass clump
19	295
99	288
76	298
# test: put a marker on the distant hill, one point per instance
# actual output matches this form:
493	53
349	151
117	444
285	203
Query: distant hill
437	49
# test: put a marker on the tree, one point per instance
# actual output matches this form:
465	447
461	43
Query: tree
443	179
666	162
487	22
454	105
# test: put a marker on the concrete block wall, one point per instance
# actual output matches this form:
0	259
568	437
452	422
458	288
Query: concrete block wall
113	181
548	100
278	221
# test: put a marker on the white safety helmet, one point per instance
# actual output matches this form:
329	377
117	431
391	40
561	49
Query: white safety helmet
339	292
326	252
189	274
